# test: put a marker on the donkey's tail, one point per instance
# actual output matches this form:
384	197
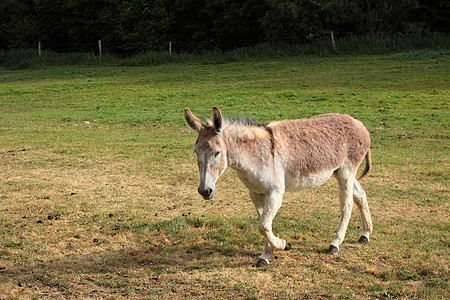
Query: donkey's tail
368	165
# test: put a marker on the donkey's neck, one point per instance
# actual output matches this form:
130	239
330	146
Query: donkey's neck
247	146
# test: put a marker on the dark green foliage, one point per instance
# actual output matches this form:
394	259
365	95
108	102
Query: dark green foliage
19	26
143	24
136	26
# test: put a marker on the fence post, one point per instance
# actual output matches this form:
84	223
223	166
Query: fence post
170	48
100	50
332	39
39	48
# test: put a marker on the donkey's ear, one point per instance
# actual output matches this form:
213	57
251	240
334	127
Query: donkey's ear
192	121
217	119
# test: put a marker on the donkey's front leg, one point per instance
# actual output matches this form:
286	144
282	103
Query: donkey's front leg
267	207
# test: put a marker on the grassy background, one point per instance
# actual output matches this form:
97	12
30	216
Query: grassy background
98	181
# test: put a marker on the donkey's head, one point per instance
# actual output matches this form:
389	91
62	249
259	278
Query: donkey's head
210	148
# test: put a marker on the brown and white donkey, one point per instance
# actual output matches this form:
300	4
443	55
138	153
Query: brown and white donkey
280	156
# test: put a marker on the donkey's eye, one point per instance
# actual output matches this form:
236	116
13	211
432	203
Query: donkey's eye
216	153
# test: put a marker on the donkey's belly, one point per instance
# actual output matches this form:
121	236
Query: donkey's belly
294	183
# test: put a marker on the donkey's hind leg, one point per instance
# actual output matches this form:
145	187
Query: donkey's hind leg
359	196
266	207
345	179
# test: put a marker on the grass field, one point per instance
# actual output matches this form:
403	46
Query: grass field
98	185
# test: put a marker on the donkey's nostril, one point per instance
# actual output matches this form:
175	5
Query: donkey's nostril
206	193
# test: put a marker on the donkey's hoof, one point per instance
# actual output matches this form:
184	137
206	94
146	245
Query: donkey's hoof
333	250
261	263
288	246
363	240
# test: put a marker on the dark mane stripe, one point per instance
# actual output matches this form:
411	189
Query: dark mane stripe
244	121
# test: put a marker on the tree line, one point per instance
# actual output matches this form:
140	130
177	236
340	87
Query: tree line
132	26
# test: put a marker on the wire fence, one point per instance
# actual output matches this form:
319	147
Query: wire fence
214	50
173	46
187	46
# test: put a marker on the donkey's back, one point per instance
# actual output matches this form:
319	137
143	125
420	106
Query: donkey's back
320	144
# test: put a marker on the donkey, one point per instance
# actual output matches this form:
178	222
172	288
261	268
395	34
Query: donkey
280	156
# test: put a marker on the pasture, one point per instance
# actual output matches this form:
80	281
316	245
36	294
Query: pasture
98	182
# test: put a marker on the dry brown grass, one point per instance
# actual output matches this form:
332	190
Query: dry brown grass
84	231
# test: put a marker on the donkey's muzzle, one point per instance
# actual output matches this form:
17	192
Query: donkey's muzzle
207	193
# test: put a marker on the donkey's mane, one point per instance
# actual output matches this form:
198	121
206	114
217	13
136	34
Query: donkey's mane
249	121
